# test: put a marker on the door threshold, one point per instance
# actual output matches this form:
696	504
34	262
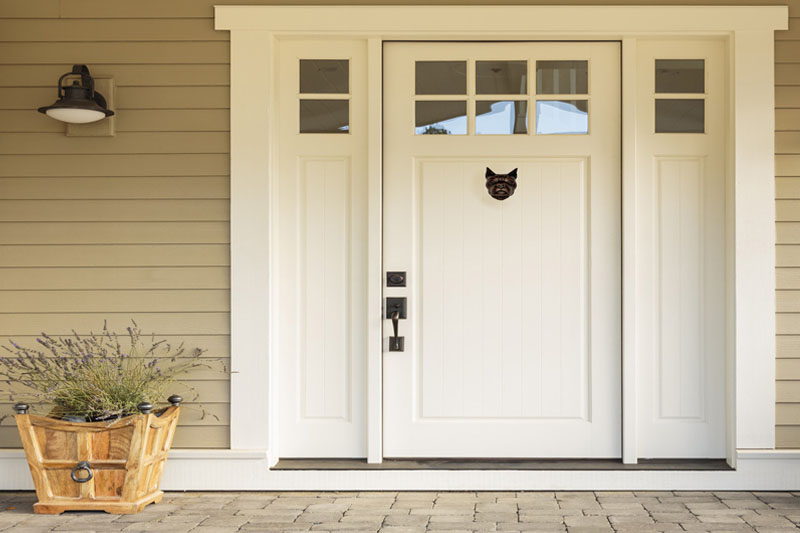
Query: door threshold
502	464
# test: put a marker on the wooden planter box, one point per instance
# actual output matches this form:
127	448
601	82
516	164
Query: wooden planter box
125	458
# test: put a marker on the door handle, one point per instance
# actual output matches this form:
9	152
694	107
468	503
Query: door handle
396	309
396	344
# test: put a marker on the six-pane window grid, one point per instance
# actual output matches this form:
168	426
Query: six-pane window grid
491	97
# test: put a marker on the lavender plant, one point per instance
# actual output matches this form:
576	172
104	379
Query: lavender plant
101	376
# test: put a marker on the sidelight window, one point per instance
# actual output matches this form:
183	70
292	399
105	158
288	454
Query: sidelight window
324	96
680	91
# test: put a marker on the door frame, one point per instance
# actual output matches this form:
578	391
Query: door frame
748	34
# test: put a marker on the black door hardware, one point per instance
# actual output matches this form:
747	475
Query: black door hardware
396	310
395	279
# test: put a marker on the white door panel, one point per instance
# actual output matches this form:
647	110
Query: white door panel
321	251
681	246
513	330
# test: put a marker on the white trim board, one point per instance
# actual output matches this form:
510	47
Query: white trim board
438	22
205	470
748	33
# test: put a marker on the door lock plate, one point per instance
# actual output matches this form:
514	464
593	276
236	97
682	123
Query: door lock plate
396	304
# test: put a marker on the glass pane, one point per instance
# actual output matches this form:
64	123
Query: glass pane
562	117
441	77
680	116
324	116
501	118
324	76
501	77
680	76
562	77
441	118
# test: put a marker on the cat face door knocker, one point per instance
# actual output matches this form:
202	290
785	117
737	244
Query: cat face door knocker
501	186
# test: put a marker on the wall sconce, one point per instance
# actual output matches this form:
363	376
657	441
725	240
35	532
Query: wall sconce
78	103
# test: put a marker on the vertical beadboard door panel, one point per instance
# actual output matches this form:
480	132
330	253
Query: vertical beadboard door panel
518	271
513	335
681	348
321	184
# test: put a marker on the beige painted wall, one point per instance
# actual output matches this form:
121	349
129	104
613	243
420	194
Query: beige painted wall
137	225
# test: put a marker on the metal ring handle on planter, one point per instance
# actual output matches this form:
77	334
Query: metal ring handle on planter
85	466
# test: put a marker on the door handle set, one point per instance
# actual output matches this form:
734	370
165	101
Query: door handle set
396	309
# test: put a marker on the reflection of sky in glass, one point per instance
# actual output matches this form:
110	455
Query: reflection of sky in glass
452	126
499	121
555	116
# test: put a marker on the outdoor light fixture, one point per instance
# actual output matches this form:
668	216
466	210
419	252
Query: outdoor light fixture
78	103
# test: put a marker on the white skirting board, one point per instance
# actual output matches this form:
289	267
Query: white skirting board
247	470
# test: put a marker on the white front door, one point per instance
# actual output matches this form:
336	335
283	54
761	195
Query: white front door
513	331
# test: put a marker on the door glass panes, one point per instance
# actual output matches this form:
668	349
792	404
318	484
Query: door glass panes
680	76
324	76
680	115
562	117
501	77
562	77
441	77
501	117
324	116
680	95
452	97
441	117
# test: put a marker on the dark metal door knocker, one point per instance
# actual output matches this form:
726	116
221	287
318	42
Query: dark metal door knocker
501	186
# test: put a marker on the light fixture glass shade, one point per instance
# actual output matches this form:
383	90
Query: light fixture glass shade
78	103
75	115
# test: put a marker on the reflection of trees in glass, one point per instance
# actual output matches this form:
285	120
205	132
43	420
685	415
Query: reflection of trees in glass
434	129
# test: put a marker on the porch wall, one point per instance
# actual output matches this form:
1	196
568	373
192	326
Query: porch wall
136	226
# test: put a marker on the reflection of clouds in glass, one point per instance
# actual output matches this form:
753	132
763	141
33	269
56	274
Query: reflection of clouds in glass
562	117
500	119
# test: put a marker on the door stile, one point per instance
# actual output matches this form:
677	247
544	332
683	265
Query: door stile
628	282
375	250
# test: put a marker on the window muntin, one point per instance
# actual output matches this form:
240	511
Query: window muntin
450	97
680	94
324	94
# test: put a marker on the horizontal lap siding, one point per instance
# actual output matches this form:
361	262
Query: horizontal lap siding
137	225
787	204
130	226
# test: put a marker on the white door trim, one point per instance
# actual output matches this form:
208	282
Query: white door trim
749	34
219	470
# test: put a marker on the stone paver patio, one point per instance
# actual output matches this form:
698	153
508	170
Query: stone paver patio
412	512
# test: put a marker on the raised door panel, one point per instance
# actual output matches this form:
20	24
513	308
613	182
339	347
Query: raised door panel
504	292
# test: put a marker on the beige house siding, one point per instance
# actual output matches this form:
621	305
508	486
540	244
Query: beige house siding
136	226
787	202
